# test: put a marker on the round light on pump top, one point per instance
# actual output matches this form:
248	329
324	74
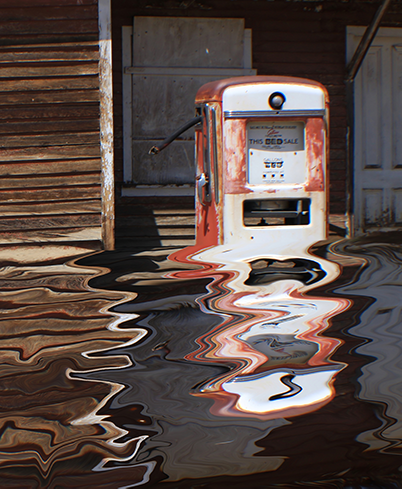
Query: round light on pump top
276	100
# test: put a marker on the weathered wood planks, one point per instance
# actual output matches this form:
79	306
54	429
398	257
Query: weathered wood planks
50	162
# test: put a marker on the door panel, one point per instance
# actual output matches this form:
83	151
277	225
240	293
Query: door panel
172	57
397	205
397	105
378	131
161	104
372	115
372	205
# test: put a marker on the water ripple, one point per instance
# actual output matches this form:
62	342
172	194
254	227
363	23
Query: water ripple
208	368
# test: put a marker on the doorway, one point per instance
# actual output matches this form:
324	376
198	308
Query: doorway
377	170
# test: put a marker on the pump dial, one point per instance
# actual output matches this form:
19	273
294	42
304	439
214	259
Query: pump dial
276	100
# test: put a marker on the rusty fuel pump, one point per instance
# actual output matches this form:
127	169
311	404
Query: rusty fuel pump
261	154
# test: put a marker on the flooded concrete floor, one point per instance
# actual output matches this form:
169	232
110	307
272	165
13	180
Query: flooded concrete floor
134	369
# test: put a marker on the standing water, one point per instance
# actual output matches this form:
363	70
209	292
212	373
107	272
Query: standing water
166	368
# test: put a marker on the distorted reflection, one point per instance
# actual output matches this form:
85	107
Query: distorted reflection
200	367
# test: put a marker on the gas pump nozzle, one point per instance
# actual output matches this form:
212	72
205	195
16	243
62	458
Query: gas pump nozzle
157	149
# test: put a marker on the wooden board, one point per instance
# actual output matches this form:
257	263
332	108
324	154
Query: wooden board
51	152
44	209
35	167
49	52
56	113
44	3
41	181
50	195
42	84
26	71
68	235
55	28
53	13
64	139
48	222
50	97
24	127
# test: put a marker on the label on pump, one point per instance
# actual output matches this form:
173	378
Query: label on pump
276	152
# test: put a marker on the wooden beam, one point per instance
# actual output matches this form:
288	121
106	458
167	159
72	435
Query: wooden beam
365	42
106	121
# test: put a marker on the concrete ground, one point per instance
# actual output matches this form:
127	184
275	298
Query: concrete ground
37	253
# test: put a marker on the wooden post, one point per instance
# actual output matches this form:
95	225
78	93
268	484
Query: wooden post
106	122
365	43
352	69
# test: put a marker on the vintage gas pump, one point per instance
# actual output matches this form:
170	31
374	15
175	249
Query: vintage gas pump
261	151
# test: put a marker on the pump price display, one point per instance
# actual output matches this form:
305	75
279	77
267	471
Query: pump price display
276	152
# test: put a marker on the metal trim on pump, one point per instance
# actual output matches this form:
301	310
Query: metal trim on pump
232	114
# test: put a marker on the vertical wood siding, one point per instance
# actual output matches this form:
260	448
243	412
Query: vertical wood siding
50	167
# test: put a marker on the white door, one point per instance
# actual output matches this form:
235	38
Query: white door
378	131
171	58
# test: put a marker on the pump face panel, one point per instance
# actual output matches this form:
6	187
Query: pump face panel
276	152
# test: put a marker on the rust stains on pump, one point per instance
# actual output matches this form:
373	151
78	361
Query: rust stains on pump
209	165
235	156
315	132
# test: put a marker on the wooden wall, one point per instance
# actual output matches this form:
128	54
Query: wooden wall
50	167
293	38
